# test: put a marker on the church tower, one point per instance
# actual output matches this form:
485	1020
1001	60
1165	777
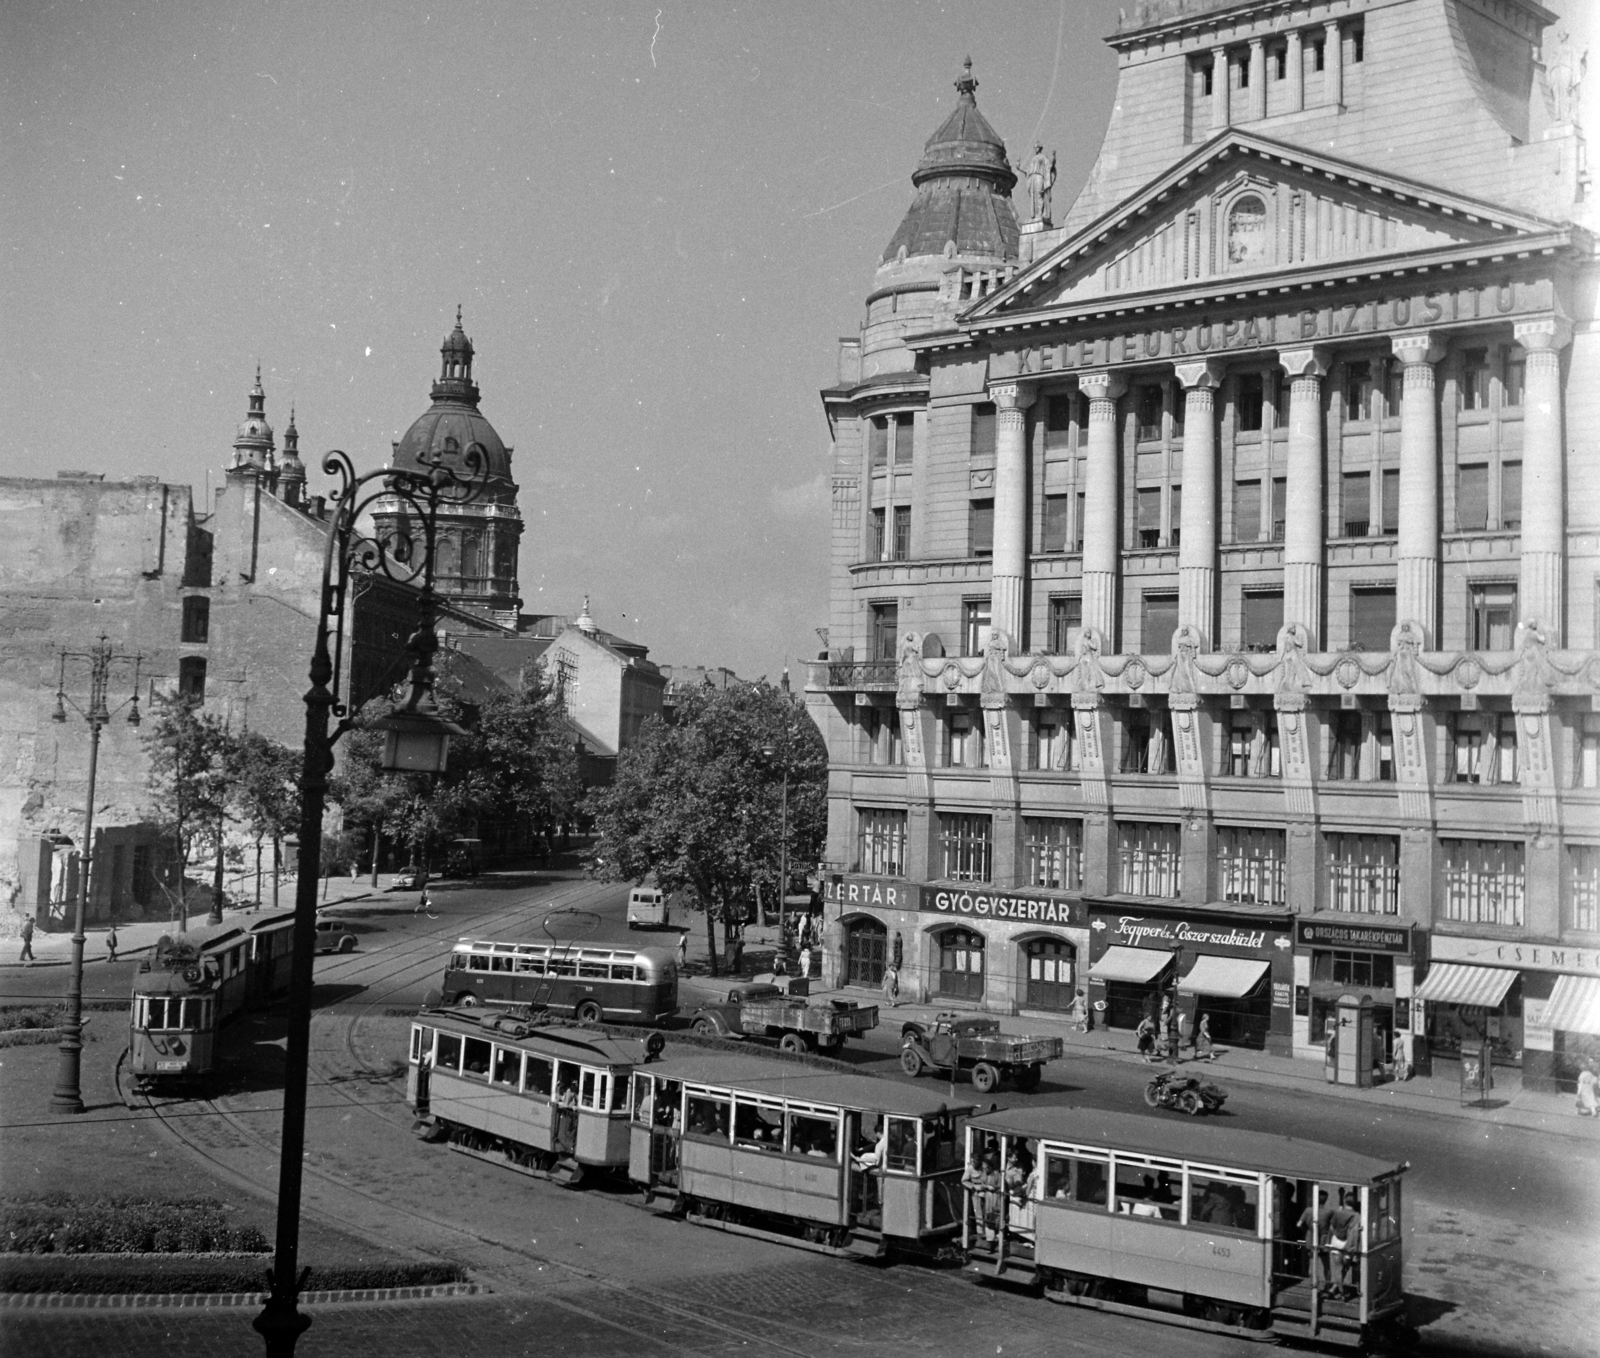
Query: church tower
253	444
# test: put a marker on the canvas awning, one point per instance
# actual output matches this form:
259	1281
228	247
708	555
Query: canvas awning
1139	966
1456	983
1230	978
1574	1005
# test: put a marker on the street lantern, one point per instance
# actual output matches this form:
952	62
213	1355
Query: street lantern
416	737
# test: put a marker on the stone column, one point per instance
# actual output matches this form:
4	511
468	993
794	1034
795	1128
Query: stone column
1302	528
1332	64
1417	586
1258	79
1219	88
1010	509
1540	592
1197	547
1102	510
1294	68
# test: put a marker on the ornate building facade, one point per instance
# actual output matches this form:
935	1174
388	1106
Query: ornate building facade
1214	573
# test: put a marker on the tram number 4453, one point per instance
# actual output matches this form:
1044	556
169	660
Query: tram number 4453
1222	1251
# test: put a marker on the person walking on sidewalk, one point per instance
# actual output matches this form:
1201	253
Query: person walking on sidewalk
683	949
27	940
111	944
1202	1039
805	961
891	986
1588	1091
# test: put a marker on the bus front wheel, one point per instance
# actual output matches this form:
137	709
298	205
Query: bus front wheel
467	1000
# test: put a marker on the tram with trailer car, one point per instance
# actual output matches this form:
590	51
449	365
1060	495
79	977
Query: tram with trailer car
500	1085
761	1145
1190	1224
186	991
593	984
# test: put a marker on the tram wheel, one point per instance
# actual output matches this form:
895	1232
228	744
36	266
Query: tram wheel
910	1061
792	1043
984	1077
589	1012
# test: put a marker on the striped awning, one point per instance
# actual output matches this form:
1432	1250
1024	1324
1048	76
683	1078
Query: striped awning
1574	1005
1456	983
1139	966
1229	978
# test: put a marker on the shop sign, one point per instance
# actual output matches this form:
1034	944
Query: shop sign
1004	906
1282	994
879	893
1536	1033
1357	937
1492	952
1139	931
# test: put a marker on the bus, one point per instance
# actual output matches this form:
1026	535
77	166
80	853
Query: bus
593	984
1246	1233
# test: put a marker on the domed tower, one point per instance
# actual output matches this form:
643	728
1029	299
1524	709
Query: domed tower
475	556
291	470
960	217
252	446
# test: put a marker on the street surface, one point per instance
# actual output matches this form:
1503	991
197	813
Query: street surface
1501	1248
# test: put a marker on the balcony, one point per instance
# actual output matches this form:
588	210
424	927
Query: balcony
854	675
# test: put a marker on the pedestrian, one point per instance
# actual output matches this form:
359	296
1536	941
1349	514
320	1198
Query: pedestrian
1145	1036
683	948
111	944
27	940
1588	1091
891	986
805	961
1202	1039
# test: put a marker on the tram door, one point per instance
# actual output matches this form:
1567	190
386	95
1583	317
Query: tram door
1291	1240
865	1146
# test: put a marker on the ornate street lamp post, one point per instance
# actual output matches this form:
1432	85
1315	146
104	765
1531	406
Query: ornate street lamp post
102	661
418	741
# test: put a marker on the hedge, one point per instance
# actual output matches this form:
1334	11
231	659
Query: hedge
132	1274
57	1223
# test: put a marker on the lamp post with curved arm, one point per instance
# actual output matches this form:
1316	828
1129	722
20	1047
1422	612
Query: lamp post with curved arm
418	741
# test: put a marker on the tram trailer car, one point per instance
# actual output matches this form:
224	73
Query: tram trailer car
186	991
594	984
762	1010
547	1100
1196	1225
761	1145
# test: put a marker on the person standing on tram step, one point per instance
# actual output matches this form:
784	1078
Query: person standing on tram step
27	940
1588	1091
111	943
891	986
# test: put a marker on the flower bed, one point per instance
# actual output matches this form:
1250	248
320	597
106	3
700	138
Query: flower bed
169	1274
57	1223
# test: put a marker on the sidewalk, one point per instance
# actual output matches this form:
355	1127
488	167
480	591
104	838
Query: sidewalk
139	936
1508	1105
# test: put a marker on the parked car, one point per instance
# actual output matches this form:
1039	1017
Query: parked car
408	880
333	936
973	1043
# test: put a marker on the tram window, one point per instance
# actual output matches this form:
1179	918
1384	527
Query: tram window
532	966
814	1136
708	1116
939	1150
566	1078
619	1093
758	1125
1145	1191
477	962
592	1091
538	1075
507	1067
155	1012
448	1057
1383	1212
902	1150
475	1058
1221	1203
594	970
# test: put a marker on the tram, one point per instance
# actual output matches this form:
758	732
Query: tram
186	991
1243	1232
593	984
546	1100
849	1165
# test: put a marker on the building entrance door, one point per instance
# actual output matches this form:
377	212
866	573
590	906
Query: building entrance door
961	965
1050	968
865	944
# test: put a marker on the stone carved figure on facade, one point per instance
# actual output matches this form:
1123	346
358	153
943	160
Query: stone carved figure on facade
1294	675
1185	651
908	673
1565	65
1039	173
1405	642
992	686
1534	672
1088	677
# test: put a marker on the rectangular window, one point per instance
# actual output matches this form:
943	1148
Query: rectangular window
1510	496
1280	499
1364	874
881	842
1483	881
1246	511
1371	971
1318	55
192	679
1151	858
980	528
540	1075
1492	619
1513	376
447	1056
1391	501
1149	516
1054	852
1050	743
1263	616
1253	744
965	847
1357	498
1057	509
1136	727
1247	403
1250	864
196	619
1280	63
1472	498
708	1115
1357	391
885	627
962	740
1147	404
1066	623
1484	747
1077	523
1346	739
1583	882
878	441
1586	764
1282	393
1394	382
1158	623
1058	422
1372	617
1174	515
507	1068
905	437
875	536
1474	384
983	430
975	621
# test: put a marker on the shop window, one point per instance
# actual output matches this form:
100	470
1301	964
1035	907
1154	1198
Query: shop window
975	622
1247	511
1364	874
980	527
983	430
866	948
1050	975
1263	619
1583	887
1150	858
1051	747
1484	881
1158	622
966	847
961	964
881	842
1066	623
1053	849
1364	970
1491	616
1058	421
1473	385
1250	864
196	619
1372	617
1247	403
1357	503
885	630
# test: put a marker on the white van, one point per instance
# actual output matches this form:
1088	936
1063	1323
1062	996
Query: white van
647	905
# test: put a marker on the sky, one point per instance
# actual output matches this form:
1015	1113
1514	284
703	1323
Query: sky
657	219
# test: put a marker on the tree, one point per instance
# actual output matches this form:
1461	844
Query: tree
698	803
264	789
188	784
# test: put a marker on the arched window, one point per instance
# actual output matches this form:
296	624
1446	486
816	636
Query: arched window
865	948
1247	230
961	964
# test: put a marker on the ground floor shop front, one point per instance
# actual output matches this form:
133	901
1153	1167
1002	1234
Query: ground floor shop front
1007	952
1342	955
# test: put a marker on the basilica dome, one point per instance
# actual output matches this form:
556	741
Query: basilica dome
453	425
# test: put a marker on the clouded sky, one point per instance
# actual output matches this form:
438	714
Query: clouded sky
657	218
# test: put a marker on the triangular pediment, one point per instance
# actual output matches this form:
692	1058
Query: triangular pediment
1241	209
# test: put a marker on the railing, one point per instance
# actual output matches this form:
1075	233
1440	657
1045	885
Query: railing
861	674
